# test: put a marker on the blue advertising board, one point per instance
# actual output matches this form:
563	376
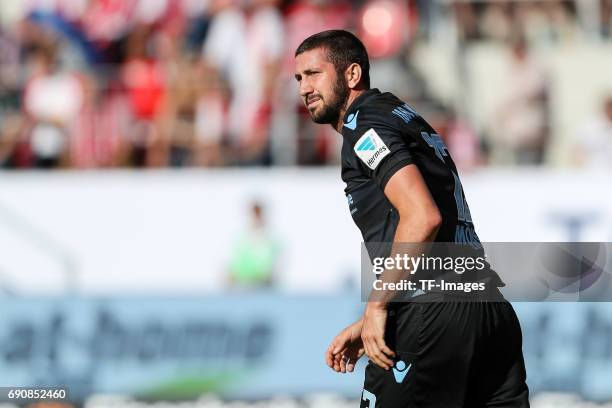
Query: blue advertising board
252	345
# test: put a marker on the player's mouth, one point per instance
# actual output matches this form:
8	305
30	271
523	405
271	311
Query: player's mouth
312	100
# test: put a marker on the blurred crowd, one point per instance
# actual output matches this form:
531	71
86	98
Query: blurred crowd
173	83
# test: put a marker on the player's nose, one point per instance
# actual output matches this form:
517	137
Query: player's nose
305	89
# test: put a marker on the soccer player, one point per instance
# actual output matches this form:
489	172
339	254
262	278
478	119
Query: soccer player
402	186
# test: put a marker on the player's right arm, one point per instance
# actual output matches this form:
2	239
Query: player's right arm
346	348
419	220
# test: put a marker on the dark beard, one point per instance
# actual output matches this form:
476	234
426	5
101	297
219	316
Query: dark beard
330	112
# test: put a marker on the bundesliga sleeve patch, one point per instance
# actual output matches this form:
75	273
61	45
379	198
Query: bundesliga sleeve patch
371	149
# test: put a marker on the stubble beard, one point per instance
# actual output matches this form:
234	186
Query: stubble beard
330	112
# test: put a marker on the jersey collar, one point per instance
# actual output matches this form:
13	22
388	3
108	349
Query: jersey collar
354	107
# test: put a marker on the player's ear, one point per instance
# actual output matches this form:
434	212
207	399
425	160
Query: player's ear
353	75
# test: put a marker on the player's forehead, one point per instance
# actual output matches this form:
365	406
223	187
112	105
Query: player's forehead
315	58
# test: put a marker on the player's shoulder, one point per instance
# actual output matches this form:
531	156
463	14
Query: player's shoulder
369	110
378	110
378	107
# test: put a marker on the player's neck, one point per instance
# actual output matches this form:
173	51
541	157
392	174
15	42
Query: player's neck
354	94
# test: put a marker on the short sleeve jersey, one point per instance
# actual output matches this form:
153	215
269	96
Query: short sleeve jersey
381	135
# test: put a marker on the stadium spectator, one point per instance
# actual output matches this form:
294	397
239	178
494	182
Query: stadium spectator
10	132
9	71
496	22
178	119
519	126
97	136
131	61
466	20
210	120
461	139
53	97
10	121
245	44
145	82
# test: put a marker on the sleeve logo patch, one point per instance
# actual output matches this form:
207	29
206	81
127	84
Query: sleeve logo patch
371	149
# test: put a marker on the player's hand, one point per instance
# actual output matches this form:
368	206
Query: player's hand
345	349
373	336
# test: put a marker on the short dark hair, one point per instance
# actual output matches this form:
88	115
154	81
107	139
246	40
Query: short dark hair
343	48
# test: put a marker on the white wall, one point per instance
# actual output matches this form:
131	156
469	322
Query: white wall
172	232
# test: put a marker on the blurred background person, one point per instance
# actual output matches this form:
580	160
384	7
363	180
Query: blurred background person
244	44
53	98
179	116
459	137
10	120
519	127
255	255
133	60
98	136
10	135
145	81
211	119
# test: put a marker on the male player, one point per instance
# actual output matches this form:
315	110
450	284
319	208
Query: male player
402	186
